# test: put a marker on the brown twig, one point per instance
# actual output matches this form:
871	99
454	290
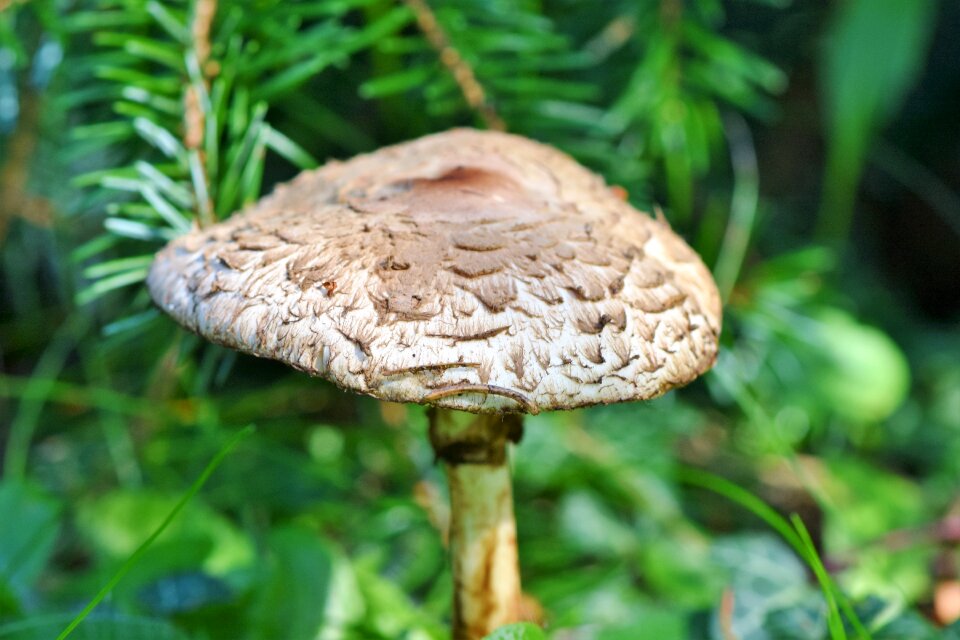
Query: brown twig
194	118
15	201
462	73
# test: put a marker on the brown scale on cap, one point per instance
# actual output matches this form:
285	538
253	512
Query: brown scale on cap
473	270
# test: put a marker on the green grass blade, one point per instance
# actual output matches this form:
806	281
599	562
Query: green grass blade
135	556
834	621
796	536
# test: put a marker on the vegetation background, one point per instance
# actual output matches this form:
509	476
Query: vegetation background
809	150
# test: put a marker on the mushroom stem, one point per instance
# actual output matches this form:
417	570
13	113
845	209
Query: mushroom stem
483	532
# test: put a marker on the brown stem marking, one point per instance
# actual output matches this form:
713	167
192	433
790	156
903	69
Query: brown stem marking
468	387
483	532
462	73
194	118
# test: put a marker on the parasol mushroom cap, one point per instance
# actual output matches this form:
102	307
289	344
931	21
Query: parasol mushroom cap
470	270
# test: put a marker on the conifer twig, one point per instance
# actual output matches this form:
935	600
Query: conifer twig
194	118
15	200
462	72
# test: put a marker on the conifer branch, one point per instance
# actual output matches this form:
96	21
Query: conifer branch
194	116
459	68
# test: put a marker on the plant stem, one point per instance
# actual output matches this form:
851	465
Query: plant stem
483	532
743	205
459	68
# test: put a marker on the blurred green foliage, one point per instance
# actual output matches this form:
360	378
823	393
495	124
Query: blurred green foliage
807	150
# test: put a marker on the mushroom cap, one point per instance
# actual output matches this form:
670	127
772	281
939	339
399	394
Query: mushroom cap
471	270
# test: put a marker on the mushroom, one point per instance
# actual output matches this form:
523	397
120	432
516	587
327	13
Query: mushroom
472	271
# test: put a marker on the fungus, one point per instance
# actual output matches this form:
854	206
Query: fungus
472	271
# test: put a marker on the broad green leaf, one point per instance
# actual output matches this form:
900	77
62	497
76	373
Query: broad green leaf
873	55
389	611
764	575
890	620
117	523
952	632
98	627
518	631
183	592
292	599
591	527
653	622
869	377
865	503
26	547
858	93
805	620
678	569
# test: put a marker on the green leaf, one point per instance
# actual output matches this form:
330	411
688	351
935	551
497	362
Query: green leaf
160	138
297	74
289	149
591	527
395	83
518	631
131	322
869	377
162	527
292	598
952	632
163	104
653	622
136	230
101	18
873	55
93	628
26	547
174	218
179	194
146	48
389	612
907	624
118	522
173	24
764	575
111	267
107	284
103	132
805	620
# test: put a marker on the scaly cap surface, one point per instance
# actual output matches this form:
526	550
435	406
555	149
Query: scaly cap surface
471	270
